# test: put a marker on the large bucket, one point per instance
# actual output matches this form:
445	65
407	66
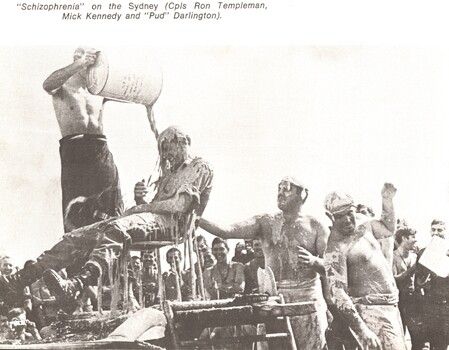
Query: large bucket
124	77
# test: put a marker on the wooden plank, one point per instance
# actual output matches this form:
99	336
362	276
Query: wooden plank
233	340
98	344
290	309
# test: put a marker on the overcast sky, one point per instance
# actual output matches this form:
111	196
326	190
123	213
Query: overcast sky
339	118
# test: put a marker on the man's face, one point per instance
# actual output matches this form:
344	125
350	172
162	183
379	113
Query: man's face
148	260
249	246
136	264
438	230
202	245
409	241
208	259
220	252
288	196
257	246
173	152
345	221
6	267
173	258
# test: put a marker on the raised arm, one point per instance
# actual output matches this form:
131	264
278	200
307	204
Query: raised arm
336	274
245	229
56	79
386	226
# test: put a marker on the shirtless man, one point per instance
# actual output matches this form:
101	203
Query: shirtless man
89	177
293	244
360	281
404	267
225	278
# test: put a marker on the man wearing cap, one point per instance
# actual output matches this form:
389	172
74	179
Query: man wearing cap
293	244
182	191
361	283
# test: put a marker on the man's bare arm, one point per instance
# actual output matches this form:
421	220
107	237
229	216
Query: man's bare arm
56	79
386	226
246	229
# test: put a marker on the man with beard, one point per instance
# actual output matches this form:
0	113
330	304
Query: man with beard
359	277
183	190
293	244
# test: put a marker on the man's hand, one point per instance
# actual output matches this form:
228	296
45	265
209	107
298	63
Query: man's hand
370	341
388	191
305	258
140	191
89	57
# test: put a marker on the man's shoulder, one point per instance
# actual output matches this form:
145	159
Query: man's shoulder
199	162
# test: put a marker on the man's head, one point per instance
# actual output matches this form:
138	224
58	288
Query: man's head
220	249
148	259
173	256
249	246
341	210
173	146
438	228
292	194
135	260
406	237
208	258
257	246
202	243
6	267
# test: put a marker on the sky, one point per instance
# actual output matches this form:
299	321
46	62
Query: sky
337	117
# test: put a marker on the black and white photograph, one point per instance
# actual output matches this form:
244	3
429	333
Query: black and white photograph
200	195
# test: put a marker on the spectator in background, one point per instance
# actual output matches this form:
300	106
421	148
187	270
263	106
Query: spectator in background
404	267
249	250
174	277
225	278
240	253
6	266
433	293
250	268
